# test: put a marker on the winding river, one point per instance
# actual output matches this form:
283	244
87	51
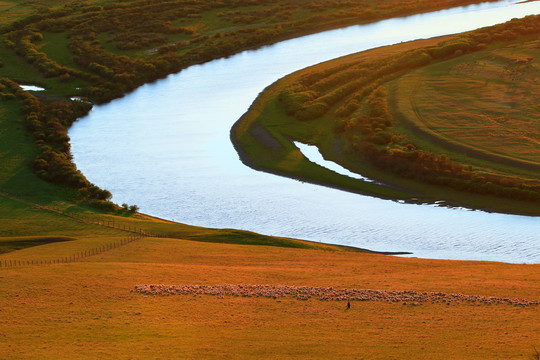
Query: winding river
166	148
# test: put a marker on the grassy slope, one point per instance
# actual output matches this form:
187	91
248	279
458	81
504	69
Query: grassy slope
258	151
86	310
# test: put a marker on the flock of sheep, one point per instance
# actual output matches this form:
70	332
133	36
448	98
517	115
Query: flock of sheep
410	297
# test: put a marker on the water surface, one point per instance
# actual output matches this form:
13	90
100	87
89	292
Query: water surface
166	148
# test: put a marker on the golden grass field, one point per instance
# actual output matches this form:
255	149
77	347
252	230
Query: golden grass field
86	309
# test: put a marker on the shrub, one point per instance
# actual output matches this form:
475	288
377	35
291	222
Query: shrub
99	204
311	111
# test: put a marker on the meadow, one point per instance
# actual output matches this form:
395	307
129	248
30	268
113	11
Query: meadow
71	261
496	92
91	308
448	119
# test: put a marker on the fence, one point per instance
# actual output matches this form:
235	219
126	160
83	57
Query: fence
101	222
137	233
72	258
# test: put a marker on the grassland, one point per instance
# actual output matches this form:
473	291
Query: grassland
451	119
66	269
85	309
487	101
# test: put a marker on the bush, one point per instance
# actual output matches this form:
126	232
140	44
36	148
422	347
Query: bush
312	111
293	99
99	204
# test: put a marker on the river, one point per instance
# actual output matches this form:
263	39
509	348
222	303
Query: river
165	147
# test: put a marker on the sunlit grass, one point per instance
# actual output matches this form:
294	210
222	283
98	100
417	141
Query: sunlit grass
86	308
447	110
485	100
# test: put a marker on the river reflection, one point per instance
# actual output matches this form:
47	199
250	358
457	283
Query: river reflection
166	148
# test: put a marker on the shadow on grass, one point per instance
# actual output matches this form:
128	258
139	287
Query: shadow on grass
18	243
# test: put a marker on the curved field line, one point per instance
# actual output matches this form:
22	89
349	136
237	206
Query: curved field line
468	150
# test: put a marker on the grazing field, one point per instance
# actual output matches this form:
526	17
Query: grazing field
488	100
71	261
91	308
452	119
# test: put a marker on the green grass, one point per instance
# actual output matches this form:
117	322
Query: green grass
462	100
17	69
55	45
17	151
267	118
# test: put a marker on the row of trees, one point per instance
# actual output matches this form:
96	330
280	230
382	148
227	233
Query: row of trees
48	123
391	152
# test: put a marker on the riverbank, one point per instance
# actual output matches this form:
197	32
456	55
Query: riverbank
267	120
45	44
204	183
